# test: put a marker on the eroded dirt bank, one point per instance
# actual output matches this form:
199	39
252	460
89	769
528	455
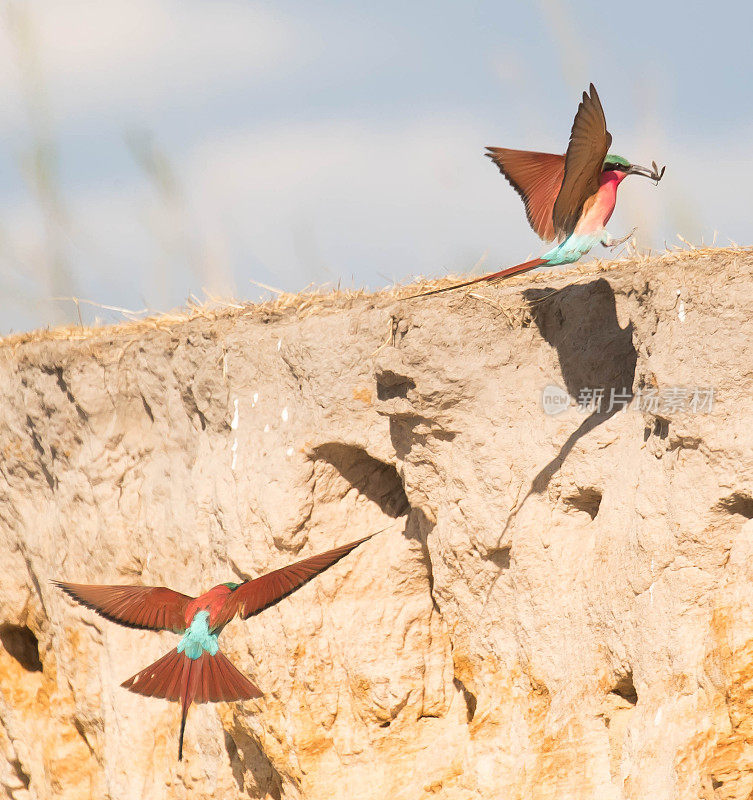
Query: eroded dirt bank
561	606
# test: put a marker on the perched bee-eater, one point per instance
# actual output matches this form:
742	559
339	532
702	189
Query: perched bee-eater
567	197
196	670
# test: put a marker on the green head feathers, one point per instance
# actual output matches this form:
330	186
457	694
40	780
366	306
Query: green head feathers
616	162
232	586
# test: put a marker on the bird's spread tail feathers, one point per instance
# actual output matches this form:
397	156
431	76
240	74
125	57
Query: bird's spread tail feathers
492	277
192	680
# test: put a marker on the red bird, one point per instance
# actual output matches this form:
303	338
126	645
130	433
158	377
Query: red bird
567	197
196	670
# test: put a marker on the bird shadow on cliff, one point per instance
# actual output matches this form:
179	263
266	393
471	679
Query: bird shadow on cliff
248	760
594	352
595	355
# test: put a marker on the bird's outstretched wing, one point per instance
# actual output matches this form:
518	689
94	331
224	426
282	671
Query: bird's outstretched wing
255	595
153	607
537	178
589	144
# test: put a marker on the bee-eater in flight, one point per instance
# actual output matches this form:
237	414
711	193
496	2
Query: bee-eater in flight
196	670
567	197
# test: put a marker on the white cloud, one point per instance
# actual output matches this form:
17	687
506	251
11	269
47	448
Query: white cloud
327	201
134	54
294	204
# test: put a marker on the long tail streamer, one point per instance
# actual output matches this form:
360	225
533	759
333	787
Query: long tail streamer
206	679
492	277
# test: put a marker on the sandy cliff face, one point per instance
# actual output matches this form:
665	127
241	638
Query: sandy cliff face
560	606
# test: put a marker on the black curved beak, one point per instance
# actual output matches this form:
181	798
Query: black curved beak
655	174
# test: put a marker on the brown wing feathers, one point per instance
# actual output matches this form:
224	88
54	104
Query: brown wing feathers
159	608
588	147
152	607
537	178
254	596
555	187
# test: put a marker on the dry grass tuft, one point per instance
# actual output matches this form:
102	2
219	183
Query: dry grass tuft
322	300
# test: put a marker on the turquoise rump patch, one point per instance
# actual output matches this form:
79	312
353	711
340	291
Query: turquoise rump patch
575	246
197	639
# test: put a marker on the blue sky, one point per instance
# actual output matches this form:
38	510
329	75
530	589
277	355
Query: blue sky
304	143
